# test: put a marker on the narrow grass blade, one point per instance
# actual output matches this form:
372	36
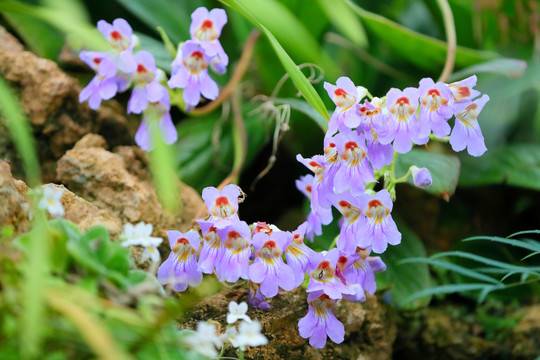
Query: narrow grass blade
534	246
453	267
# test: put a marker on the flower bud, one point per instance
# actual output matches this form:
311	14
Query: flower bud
421	177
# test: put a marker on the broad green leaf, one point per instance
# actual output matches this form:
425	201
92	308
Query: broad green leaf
444	170
421	50
205	160
39	37
85	33
514	164
307	109
340	15
405	280
513	68
287	30
172	15
299	79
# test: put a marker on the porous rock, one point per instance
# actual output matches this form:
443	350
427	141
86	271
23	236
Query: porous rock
120	184
369	330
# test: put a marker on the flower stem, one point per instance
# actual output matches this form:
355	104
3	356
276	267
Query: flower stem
235	79
450	29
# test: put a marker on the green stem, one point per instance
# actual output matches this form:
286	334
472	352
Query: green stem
450	30
240	354
168	43
221	352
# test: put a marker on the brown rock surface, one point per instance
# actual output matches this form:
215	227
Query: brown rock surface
369	331
120	184
49	99
13	203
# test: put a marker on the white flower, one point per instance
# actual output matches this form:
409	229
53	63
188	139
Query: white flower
250	334
51	201
140	235
204	339
230	335
237	311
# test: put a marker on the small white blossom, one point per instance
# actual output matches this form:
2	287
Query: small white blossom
51	201
250	334
230	335
204	340
140	235
237	311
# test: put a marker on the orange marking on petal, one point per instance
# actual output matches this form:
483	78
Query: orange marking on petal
344	203
402	100
434	92
115	35
141	68
350	145
197	54
222	201
340	92
473	106
207	24
375	202
182	241
97	60
308	188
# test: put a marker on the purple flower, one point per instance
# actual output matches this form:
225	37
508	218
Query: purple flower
234	262
147	87
350	207
322	273
436	106
268	269
421	177
157	112
320	187
99	62
212	248
355	170
205	29
298	254
222	205
99	88
466	132
315	219
256	298
401	123
463	90
345	95
378	229
190	72
181	269
320	321
119	35
362	271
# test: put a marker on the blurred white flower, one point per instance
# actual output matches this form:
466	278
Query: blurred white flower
204	340
51	201
237	311
250	334
140	235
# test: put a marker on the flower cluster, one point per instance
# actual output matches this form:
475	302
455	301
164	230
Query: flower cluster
120	69
141	235
233	250
207	338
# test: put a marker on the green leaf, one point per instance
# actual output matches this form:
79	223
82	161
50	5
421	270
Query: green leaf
299	79
404	280
487	261
295	37
201	161
85	33
453	267
444	170
305	108
513	68
340	15
448	289
424	51
514	164
171	15
519	243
